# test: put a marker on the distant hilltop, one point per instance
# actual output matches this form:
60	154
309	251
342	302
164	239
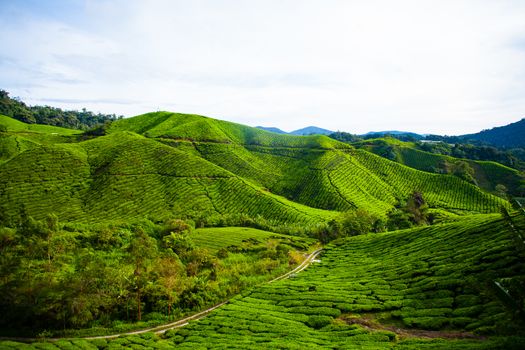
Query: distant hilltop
309	130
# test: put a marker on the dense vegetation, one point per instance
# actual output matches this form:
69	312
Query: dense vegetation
48	115
131	222
511	158
433	278
60	276
509	136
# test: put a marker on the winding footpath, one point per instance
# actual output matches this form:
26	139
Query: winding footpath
183	322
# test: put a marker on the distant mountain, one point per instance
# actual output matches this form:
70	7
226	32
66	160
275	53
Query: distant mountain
511	135
271	129
311	130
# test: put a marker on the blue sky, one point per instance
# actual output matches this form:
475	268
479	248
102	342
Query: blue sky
446	67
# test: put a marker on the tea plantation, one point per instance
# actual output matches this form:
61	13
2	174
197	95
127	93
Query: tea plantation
208	170
166	214
433	278
486	174
423	288
216	238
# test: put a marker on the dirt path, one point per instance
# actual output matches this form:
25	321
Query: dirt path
182	322
368	322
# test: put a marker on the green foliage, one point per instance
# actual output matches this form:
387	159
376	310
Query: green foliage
318	321
279	182
180	174
47	115
58	276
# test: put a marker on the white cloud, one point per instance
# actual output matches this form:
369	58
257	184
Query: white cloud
426	66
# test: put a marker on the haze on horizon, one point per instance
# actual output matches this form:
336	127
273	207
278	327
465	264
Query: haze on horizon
445	67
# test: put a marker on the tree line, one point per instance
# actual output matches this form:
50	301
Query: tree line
81	120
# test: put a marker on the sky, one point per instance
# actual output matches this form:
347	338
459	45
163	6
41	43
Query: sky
444	67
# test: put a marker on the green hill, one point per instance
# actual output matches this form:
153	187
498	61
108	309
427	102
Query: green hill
485	174
128	198
165	164
124	175
313	170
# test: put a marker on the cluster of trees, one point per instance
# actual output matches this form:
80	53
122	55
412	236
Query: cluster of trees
411	212
82	120
63	276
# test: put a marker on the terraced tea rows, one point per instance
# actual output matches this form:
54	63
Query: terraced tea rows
285	180
125	175
444	191
487	174
427	278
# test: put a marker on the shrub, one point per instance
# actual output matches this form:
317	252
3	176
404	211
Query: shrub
318	321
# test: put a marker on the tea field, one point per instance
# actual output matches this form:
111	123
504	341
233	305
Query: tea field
165	164
216	209
439	279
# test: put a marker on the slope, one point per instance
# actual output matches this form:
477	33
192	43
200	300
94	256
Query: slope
445	283
211	171
203	129
487	174
124	175
313	170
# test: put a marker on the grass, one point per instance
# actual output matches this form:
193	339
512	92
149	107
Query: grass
165	165
433	278
215	238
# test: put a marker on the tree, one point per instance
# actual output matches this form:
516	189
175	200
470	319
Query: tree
171	278
501	191
464	171
142	251
357	222
413	211
417	208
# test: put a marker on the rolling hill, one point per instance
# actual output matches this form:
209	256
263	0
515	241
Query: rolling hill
372	291
448	286
168	164
272	129
486	174
130	197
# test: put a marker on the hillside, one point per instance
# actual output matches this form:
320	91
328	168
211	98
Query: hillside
167	164
362	296
138	220
485	174
406	134
508	136
434	287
